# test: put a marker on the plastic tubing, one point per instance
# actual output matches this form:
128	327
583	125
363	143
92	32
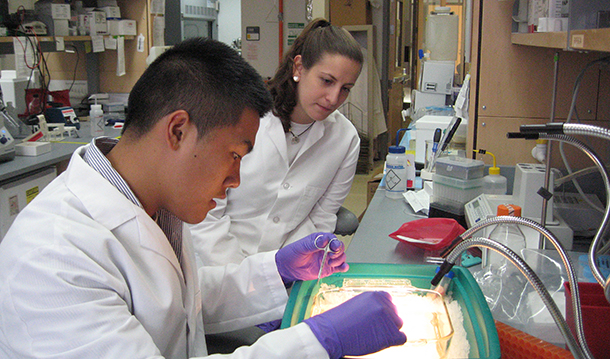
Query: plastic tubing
565	258
533	279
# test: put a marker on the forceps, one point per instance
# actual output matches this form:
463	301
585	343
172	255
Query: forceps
326	249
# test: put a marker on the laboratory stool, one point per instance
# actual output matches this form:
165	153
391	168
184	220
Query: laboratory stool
347	222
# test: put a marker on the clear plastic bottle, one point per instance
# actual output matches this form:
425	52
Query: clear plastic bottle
395	172
96	118
507	234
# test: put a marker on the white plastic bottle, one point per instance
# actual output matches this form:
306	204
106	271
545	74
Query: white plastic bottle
96	119
395	172
494	183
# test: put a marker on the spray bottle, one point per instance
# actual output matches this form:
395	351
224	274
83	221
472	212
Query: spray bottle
494	183
96	119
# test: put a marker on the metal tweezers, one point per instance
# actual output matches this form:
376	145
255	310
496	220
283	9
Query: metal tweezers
326	249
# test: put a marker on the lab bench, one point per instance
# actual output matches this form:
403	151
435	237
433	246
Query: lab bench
372	244
61	151
25	165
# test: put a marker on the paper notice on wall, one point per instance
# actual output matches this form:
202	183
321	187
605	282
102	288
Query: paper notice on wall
98	43
159	31
59	43
294	30
251	51
120	56
23	48
157	7
110	43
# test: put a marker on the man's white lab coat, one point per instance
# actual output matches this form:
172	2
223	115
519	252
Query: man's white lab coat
277	202
84	273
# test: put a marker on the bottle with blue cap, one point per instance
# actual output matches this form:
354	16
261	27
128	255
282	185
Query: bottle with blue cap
396	170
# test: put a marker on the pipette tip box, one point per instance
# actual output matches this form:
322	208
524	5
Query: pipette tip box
460	167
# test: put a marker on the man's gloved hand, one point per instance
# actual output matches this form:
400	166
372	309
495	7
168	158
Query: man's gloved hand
362	325
301	260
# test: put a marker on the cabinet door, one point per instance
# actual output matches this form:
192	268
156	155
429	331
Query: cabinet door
513	85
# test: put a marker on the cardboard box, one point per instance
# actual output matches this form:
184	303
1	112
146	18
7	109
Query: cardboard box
54	11
98	25
60	28
122	27
112	12
371	188
350	12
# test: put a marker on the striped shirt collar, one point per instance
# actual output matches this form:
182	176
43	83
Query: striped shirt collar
95	156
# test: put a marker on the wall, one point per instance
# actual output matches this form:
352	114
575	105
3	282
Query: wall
229	20
264	54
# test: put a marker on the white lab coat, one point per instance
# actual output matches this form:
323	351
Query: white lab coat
84	273
277	202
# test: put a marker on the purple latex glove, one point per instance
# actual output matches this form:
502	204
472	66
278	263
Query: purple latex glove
301	260
362	325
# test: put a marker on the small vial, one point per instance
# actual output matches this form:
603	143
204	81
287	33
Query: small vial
443	285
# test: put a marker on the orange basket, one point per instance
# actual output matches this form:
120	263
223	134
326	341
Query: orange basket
515	344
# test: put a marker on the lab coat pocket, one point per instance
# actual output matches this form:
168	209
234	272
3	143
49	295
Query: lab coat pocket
308	199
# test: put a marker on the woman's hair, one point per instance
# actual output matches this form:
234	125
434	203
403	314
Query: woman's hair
316	40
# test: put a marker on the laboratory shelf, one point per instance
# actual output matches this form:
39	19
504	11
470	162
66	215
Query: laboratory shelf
580	40
52	38
553	40
592	39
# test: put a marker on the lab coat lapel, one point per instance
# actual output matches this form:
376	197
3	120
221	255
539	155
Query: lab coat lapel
276	135
315	134
192	303
112	209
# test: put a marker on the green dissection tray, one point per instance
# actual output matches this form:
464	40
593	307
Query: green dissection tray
478	321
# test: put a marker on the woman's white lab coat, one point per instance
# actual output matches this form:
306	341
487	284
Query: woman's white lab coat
84	273
277	202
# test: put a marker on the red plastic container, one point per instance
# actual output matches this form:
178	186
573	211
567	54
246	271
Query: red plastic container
429	233
595	317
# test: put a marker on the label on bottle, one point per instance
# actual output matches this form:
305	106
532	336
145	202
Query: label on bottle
97	125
